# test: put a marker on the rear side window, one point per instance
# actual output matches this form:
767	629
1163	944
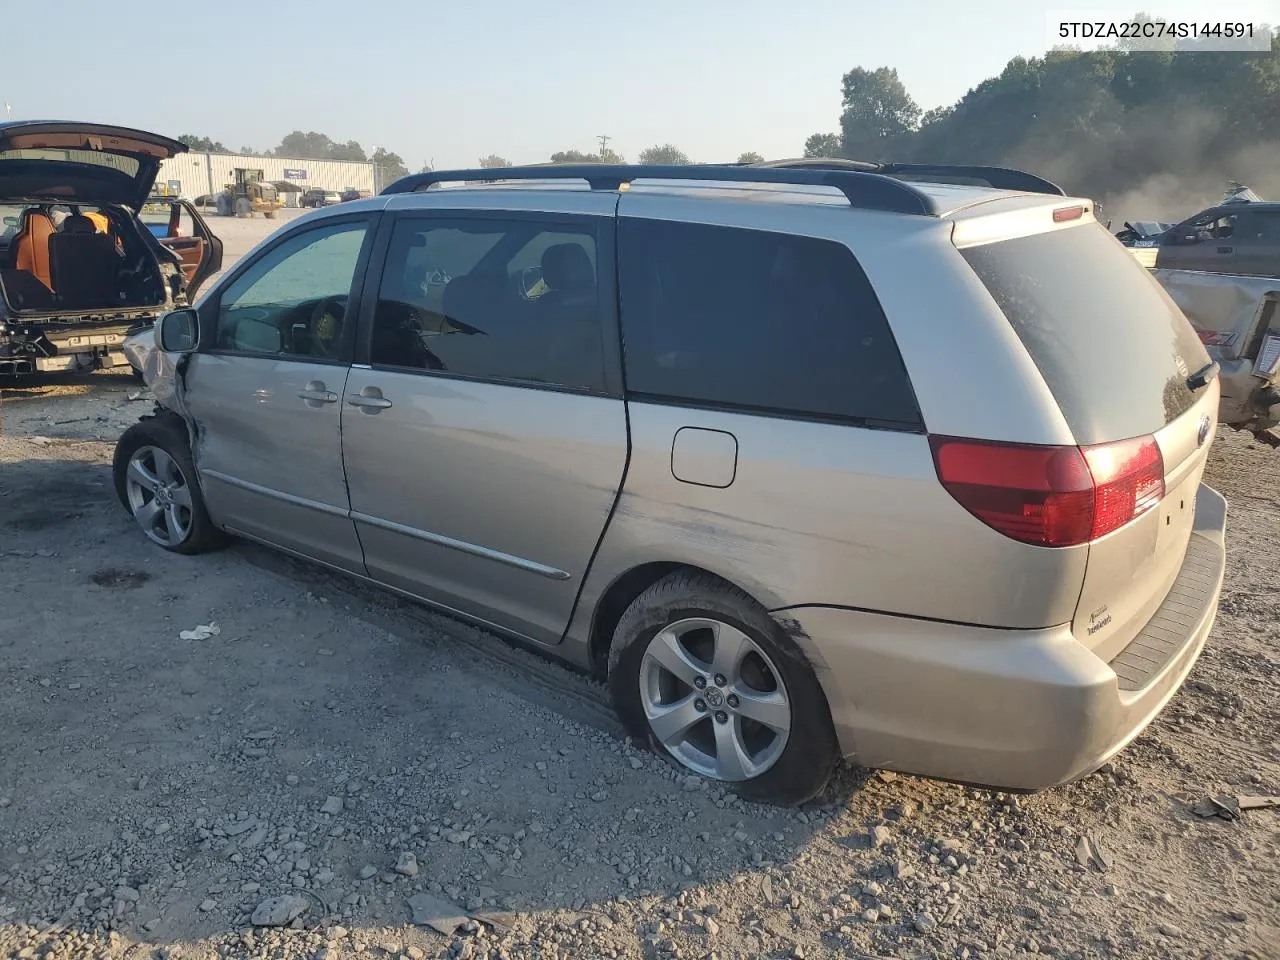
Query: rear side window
1114	350
754	320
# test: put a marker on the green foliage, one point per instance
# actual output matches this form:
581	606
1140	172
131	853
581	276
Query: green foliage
750	157
493	160
203	144
665	154
1163	130
318	146
390	165
822	145
577	156
879	115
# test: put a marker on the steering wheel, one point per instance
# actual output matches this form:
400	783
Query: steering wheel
325	325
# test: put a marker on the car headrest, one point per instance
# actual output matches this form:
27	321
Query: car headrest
566	267
77	223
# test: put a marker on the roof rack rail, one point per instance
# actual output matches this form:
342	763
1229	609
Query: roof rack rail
865	189
1001	178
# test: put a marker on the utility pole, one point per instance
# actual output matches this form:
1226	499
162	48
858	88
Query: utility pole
604	139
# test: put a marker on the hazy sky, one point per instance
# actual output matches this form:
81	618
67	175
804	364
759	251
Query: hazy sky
450	82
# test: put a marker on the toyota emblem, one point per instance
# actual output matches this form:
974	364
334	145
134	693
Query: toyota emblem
1205	426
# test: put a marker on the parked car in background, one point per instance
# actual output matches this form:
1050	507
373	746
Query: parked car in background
706	437
320	198
1237	236
351	193
85	251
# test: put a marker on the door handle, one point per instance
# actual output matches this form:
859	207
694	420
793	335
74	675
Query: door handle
1225	249
370	400
315	394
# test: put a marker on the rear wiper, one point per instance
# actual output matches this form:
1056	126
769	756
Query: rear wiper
1203	377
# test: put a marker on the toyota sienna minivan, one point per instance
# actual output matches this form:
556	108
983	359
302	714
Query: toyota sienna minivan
891	463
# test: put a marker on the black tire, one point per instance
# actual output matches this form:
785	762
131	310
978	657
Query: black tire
806	763
224	205
168	433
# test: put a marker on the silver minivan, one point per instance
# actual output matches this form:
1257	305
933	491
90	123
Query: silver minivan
808	463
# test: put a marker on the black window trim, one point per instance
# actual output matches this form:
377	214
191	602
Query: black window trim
605	226
916	426
211	308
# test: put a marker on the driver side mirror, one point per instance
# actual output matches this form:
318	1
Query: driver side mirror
179	331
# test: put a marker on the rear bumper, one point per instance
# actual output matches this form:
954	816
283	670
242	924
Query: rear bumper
34	349
1013	709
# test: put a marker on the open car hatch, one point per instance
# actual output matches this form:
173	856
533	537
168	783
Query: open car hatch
87	162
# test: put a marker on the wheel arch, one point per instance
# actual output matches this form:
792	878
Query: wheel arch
620	594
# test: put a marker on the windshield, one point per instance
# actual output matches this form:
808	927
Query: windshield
1112	347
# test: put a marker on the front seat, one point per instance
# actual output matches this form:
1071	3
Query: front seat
84	264
568	319
31	246
569	276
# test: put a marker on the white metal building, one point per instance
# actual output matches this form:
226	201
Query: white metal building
191	175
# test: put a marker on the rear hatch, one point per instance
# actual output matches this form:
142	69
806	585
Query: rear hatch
88	162
1138	393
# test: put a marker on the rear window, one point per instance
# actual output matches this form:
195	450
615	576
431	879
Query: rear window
1113	348
757	321
97	158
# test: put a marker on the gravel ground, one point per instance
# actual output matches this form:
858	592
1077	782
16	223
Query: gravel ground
339	764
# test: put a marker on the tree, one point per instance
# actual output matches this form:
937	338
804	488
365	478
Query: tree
822	145
493	160
750	157
318	146
203	144
346	151
389	165
1150	134
577	156
305	146
667	154
879	115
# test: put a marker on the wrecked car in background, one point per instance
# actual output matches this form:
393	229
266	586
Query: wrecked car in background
79	266
1238	320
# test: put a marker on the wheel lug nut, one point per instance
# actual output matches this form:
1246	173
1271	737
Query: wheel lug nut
700	682
720	680
699	706
721	717
733	700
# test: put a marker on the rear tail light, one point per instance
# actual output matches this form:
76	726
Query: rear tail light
1052	496
1063	214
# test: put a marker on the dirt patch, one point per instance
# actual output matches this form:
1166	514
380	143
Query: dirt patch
120	579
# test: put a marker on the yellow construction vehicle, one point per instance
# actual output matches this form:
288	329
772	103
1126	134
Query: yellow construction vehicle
249	194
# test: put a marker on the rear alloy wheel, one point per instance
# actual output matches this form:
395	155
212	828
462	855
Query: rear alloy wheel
714	699
155	480
700	671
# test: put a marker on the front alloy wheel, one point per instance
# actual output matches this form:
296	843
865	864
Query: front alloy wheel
159	496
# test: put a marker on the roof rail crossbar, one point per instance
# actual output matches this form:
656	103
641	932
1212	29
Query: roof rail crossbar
1001	178
863	189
